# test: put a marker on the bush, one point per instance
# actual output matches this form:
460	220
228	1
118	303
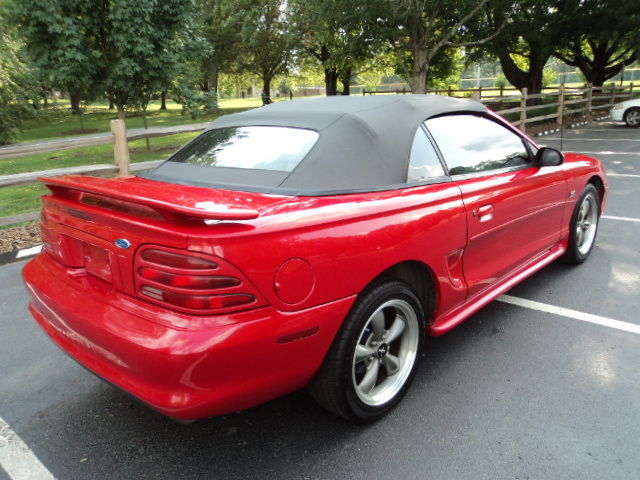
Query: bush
11	118
194	102
548	77
501	81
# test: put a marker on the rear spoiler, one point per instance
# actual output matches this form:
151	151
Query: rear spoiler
168	202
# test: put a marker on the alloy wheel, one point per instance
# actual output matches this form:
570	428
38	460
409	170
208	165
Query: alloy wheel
386	352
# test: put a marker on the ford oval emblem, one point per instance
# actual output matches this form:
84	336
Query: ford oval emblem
123	243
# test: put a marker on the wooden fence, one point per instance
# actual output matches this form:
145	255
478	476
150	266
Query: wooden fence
119	138
520	108
553	104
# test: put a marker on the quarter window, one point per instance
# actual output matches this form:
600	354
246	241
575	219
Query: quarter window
473	144
424	162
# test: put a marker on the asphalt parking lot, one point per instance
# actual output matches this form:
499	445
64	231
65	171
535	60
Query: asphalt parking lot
541	384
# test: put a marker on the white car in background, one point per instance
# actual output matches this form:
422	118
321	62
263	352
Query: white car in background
628	112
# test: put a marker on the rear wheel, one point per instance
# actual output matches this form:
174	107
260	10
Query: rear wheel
583	227
373	358
632	117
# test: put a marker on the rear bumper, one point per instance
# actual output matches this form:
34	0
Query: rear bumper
184	367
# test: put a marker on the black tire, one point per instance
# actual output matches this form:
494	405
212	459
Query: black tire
373	359
583	227
632	117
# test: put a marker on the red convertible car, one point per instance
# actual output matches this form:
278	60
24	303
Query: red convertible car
306	243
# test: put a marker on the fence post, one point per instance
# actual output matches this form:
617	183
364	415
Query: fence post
613	93
561	106
589	99
120	146
523	111
631	91
476	95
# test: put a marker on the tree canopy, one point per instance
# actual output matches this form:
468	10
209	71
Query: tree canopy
18	80
602	37
126	50
122	49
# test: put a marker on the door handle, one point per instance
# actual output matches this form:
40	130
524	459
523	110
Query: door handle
485	213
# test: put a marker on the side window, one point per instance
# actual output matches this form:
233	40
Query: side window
473	144
424	162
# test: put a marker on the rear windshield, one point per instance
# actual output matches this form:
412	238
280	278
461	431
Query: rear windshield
270	148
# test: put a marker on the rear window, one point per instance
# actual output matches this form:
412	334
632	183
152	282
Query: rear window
269	148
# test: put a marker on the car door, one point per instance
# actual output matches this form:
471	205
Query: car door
514	208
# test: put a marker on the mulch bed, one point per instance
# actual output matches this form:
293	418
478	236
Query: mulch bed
16	238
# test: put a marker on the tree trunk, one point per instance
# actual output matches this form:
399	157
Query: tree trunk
531	80
331	81
121	112
345	79
146	127
418	81
76	98
266	87
330	72
601	67
598	69
213	73
163	100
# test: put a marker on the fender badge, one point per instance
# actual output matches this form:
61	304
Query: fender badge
122	243
572	194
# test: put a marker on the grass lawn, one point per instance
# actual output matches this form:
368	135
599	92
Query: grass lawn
161	148
20	199
58	122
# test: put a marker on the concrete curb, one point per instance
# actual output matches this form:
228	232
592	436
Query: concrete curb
22	254
573	125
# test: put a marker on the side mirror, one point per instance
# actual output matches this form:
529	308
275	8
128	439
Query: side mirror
549	157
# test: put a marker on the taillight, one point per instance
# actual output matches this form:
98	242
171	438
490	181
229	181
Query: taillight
192	282
177	260
44	232
196	282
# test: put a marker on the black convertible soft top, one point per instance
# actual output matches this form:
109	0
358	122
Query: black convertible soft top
364	142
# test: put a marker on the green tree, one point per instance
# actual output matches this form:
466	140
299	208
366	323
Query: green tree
533	31
337	34
54	41
18	80
422	33
603	38
220	27
266	42
122	49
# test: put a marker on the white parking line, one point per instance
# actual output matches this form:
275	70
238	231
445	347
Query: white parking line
609	152
624	219
17	459
580	139
565	312
622	175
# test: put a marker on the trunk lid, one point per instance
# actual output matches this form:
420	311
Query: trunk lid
95	226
